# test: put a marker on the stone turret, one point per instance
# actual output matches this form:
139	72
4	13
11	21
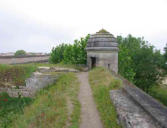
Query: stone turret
102	50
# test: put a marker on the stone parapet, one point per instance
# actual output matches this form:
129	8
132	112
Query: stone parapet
156	110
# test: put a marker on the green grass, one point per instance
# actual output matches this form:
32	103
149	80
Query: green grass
50	108
102	82
15	74
159	93
10	107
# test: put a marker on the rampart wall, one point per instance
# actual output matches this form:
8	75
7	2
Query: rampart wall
23	59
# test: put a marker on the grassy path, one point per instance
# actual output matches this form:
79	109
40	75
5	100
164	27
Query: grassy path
101	82
89	114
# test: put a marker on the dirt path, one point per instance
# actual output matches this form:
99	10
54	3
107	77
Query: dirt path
89	114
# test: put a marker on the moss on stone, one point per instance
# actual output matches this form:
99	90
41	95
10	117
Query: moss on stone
102	31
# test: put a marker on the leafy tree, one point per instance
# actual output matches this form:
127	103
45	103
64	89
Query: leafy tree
71	53
165	54
20	53
57	54
125	60
140	62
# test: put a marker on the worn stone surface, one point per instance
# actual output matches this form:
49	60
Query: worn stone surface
56	69
103	48
130	114
39	80
155	109
152	107
13	92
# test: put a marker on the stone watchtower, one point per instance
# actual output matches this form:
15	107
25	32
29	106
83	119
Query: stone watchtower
102	50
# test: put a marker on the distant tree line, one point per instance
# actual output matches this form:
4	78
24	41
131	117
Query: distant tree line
139	61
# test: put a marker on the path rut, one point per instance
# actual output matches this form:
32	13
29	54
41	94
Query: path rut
89	113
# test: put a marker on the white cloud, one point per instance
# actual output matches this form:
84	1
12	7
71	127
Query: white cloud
139	17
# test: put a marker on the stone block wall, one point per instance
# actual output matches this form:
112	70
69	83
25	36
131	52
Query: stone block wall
105	59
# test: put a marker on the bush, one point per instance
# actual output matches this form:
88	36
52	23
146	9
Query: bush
20	53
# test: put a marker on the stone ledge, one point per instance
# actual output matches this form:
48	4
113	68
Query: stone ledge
154	108
114	48
130	114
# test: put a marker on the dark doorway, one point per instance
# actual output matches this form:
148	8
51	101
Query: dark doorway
108	66
93	60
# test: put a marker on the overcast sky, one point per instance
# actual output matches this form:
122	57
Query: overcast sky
38	25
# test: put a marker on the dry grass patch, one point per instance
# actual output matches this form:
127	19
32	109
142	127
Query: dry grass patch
15	74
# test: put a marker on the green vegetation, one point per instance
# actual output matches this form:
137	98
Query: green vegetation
143	65
15	74
102	82
165	52
20	53
50	108
160	93
10	107
140	63
70	54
